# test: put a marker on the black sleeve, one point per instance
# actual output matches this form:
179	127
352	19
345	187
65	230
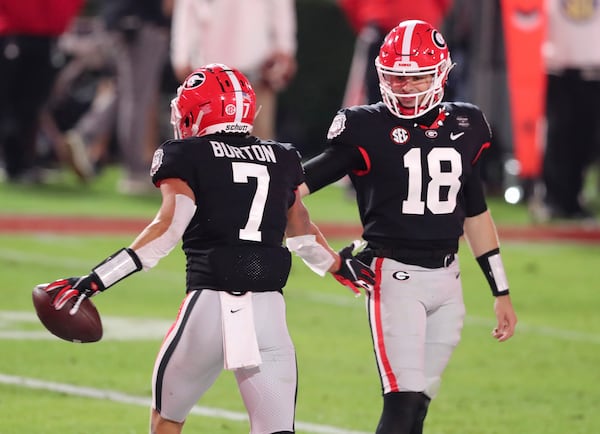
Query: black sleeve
171	161
474	195
330	166
295	163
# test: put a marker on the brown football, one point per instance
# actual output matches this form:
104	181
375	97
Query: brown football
84	326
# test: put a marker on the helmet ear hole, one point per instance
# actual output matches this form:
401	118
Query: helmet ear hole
187	121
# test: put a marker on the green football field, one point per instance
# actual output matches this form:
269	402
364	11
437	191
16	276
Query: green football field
543	381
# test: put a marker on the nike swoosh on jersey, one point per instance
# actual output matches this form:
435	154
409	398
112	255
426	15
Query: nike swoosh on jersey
454	136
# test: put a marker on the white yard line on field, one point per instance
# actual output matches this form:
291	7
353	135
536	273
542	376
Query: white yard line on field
154	329
18	325
122	398
26	325
173	278
550	332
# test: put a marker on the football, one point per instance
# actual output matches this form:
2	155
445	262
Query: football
84	326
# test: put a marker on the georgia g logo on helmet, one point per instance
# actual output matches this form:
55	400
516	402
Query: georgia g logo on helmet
438	39
195	80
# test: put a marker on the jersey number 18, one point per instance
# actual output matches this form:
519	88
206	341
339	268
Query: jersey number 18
438	181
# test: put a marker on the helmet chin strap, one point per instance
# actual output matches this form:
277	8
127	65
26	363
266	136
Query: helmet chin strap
423	103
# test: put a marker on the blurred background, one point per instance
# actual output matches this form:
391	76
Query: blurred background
68	200
496	45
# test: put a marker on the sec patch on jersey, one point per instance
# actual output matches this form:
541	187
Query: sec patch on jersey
84	326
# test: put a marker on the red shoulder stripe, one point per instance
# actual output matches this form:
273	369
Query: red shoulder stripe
367	161
483	147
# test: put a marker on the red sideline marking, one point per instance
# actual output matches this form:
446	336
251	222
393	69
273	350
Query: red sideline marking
70	225
580	234
131	226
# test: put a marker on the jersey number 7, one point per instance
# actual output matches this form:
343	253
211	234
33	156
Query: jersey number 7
241	173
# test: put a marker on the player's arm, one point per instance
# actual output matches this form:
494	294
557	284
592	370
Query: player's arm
301	233
330	166
165	231
153	243
305	239
482	237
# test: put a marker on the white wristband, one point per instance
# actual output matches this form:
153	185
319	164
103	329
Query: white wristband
493	269
498	272
312	253
116	267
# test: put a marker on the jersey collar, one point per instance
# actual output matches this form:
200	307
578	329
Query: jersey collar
432	119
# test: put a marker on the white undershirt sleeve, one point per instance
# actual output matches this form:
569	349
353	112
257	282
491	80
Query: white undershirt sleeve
312	253
151	253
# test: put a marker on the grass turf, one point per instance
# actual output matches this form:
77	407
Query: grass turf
544	380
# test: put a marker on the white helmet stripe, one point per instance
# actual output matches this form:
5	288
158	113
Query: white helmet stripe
239	101
407	41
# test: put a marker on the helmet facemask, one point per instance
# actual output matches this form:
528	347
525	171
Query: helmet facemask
175	118
177	121
424	100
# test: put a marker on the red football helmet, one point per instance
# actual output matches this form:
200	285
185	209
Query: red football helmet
212	99
413	48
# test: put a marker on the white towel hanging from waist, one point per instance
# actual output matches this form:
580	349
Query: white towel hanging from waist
240	346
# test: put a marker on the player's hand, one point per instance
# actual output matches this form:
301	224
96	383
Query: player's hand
353	273
79	287
506	317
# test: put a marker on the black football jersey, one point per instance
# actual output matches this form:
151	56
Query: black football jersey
415	179
243	188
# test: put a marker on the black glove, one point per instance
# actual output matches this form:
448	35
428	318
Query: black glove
63	290
354	273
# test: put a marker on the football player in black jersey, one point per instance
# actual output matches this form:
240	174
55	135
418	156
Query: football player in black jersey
231	197
413	162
